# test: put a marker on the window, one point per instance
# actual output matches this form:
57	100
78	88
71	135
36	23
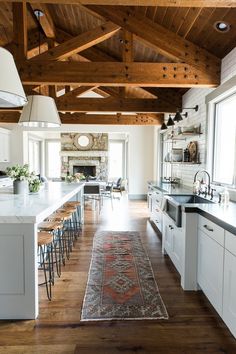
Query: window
53	159
224	149
116	159
34	155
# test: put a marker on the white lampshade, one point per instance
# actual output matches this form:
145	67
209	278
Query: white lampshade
11	90
41	111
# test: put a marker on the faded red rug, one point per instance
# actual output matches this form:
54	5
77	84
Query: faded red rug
121	283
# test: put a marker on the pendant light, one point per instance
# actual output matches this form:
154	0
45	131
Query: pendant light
170	121
41	111
178	116
11	90
163	126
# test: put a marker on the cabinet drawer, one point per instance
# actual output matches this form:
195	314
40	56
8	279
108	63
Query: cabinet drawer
209	228
230	242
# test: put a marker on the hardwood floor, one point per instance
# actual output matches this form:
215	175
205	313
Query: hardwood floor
193	326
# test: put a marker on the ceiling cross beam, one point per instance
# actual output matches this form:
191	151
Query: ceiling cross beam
160	38
74	93
114	74
20	32
112	104
82	118
172	3
80	42
46	21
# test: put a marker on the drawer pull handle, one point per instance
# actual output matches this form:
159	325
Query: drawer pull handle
158	201
171	227
208	228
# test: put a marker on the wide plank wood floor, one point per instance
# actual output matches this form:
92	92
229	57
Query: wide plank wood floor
193	327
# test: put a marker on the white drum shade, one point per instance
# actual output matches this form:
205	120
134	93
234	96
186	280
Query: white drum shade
11	90
41	111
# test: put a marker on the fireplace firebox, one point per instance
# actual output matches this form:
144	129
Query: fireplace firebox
86	170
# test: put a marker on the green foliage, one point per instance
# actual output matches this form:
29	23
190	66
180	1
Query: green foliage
34	184
19	172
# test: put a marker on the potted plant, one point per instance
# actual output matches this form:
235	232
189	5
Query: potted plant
34	183
20	175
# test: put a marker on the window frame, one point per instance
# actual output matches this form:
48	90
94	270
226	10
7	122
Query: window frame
221	93
36	139
124	156
47	141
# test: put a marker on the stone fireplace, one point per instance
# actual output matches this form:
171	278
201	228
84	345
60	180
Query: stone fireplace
86	170
91	160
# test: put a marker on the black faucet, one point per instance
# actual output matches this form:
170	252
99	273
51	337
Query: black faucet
208	191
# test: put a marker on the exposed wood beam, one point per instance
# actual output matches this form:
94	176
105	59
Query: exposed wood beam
20	39
127	53
139	119
160	38
82	118
114	74
90	54
75	93
112	104
170	95
173	3
46	21
80	42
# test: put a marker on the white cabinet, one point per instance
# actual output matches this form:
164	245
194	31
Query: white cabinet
4	145
173	242
210	269
6	182
229	294
156	212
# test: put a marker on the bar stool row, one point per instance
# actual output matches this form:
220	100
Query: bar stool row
56	237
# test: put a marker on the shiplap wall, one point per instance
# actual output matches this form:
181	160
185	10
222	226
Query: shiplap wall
190	99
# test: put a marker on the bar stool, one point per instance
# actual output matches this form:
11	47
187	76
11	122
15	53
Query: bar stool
73	222
77	218
55	228
67	235
45	260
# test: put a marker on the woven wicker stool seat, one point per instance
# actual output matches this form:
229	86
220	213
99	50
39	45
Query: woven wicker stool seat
44	238
50	225
75	204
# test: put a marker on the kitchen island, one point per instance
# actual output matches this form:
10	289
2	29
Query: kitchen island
19	216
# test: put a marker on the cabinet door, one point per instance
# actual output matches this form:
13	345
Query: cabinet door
4	147
210	269
229	293
167	233
177	248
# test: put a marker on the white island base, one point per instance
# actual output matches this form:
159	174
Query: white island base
19	216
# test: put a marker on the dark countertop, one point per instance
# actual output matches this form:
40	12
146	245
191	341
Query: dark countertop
170	188
224	216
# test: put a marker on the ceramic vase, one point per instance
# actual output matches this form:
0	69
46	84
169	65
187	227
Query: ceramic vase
20	187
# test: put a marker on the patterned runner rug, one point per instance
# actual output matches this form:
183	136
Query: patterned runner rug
121	284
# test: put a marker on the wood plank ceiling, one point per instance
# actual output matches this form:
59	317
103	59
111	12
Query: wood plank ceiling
140	59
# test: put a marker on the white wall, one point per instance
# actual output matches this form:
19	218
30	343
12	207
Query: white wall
197	96
140	154
17	153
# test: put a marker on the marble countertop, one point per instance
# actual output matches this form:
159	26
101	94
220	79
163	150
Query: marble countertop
34	208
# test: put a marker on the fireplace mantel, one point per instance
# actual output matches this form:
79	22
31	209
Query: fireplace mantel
91	153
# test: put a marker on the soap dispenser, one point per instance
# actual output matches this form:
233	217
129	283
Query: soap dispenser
224	197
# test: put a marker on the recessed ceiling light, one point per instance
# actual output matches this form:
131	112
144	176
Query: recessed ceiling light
222	26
